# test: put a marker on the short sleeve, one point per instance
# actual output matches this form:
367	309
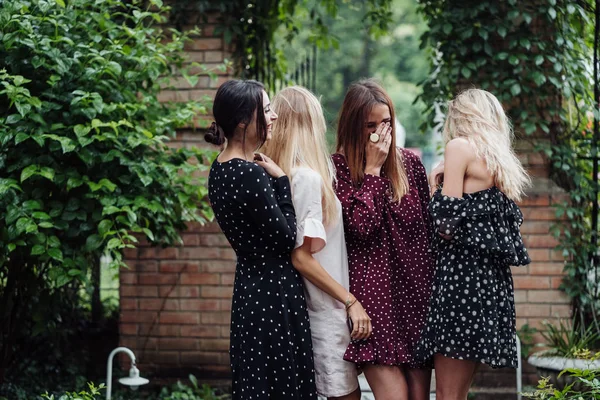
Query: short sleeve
307	199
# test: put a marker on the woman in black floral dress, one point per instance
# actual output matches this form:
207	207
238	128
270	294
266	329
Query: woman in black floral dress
271	350
472	313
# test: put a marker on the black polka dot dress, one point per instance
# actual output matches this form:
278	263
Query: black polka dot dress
472	311
271	349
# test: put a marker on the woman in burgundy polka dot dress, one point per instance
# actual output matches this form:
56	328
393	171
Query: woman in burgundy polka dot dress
384	195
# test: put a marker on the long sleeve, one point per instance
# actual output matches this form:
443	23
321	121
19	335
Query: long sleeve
271	208
422	185
364	206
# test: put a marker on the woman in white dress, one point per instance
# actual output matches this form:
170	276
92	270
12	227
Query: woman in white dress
299	147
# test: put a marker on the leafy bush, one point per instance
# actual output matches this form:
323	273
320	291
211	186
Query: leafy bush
85	168
567	340
587	382
180	391
82	395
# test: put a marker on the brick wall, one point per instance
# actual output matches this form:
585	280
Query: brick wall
175	302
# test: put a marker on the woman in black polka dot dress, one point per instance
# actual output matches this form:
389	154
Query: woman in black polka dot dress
472	313
271	350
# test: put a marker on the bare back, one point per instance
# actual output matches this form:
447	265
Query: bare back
464	172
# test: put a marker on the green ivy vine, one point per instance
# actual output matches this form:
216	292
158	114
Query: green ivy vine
535	56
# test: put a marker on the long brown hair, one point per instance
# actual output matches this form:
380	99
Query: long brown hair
360	99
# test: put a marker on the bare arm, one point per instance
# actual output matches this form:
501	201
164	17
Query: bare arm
457	156
312	270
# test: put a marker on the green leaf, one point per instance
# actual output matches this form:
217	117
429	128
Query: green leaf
28	172
82	130
552	13
46	224
148	233
466	72
93	242
515	89
40	215
447	28
61	3
37	250
501	31
539	59
56	254
47	173
21	137
112	243
11	247
513	60
104	226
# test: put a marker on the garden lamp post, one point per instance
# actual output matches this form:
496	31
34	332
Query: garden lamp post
134	380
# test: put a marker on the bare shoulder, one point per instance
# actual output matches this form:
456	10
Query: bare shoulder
460	148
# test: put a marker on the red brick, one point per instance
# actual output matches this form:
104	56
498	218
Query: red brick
201	331
204	44
561	198
213	56
127	278
216	318
520	270
225	305
200	253
556	282
168	291
200	279
128	304
539	213
159	304
138	291
210	292
169	253
188	292
199	305
199	358
147	253
548	296
557	255
530	282
228	254
128	329
163	357
218	266
190	239
225	331
186	318
535	200
540	241
216	239
227	279
520	296
159	330
178	266
177	344
214	344
537	227
211	227
130	254
562	311
137	316
539	254
194	56
521	322
546	269
157	279
146	266
531	310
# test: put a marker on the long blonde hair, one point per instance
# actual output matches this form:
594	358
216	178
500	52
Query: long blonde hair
299	141
478	116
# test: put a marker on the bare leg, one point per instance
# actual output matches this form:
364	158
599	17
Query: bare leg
352	396
453	377
387	382
419	381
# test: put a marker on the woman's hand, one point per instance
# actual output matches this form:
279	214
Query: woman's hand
377	152
436	177
269	165
361	323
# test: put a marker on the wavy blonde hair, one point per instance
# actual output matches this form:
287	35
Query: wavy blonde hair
299	141
478	116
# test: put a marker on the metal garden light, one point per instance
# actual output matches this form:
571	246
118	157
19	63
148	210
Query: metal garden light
134	380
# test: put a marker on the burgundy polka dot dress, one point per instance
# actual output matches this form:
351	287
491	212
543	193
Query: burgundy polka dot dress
390	260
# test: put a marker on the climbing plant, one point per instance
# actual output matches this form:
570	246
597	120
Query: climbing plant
251	27
535	56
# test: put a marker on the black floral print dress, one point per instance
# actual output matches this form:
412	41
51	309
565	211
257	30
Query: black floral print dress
271	349
472	310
